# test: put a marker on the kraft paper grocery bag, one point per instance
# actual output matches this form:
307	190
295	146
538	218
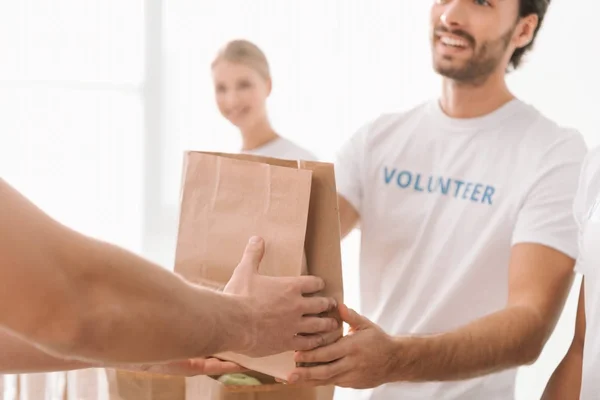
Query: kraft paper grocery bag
209	388
224	202
129	385
226	199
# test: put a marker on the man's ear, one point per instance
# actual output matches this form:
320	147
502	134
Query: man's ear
525	31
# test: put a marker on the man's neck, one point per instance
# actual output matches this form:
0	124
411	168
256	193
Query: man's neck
257	136
462	100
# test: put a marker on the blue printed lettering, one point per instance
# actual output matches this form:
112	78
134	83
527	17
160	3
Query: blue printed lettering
463	189
388	176
489	191
417	187
407	174
476	192
466	193
458	185
431	180
444	188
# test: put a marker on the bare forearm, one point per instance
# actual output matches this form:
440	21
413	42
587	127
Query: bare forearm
120	308
565	382
20	357
349	217
138	312
78	297
503	340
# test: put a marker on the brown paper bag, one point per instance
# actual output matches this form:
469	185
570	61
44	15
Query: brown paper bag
226	199
209	388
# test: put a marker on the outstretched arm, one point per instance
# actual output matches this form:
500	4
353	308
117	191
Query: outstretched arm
76	297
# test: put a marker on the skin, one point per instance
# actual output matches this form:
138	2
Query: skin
69	301
21	357
487	33
241	94
565	382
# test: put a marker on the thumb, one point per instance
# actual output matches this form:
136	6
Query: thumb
352	318
253	254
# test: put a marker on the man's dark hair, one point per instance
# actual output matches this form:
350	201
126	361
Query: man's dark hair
526	8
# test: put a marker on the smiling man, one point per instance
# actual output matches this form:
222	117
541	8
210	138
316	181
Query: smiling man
468	239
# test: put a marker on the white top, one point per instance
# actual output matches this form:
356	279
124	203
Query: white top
284	149
587	213
442	201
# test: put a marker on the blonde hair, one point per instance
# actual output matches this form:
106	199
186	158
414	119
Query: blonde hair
247	53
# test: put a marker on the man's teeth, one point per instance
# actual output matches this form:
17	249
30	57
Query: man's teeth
453	42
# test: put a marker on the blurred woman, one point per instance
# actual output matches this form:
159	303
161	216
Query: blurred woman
242	80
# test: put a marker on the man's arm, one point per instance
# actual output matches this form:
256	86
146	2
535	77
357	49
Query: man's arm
565	383
20	357
77	297
367	357
348	216
539	282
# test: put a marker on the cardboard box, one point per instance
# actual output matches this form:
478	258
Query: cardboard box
226	199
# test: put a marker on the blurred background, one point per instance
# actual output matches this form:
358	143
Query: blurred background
99	99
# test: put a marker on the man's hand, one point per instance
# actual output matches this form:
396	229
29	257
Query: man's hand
282	317
192	367
359	360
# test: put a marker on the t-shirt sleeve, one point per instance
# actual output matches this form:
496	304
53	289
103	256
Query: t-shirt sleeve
546	216
350	168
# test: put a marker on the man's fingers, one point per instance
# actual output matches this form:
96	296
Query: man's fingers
318	325
253	255
318	373
323	354
317	305
352	318
310	284
331	337
308	342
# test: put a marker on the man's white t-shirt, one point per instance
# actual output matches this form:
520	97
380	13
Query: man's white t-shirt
442	201
284	149
587	213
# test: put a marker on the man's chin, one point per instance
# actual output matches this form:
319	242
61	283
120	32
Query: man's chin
447	72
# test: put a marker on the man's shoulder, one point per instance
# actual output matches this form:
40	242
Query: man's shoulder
550	140
387	123
547	129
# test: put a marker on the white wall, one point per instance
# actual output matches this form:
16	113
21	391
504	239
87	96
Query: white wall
336	64
72	130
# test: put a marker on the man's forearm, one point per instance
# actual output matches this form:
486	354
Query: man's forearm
78	297
20	357
506	339
133	311
565	382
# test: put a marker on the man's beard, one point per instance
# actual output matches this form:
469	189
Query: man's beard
485	60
